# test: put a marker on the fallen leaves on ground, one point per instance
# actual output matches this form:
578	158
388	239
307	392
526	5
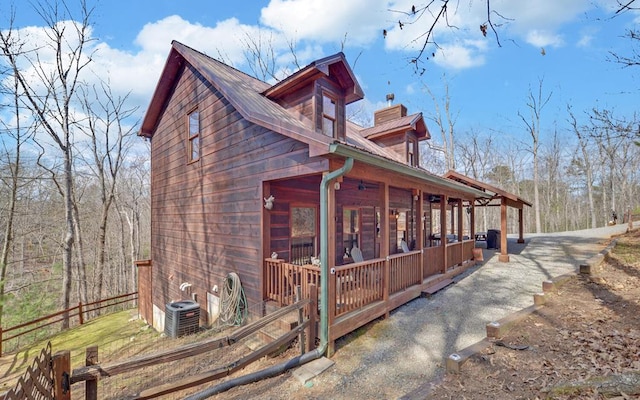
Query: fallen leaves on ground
583	344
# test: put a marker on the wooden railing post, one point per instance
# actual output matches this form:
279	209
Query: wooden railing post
91	385
301	338
62	375
80	314
313	313
387	284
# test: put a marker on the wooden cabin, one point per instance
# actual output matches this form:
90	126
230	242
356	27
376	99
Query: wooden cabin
237	166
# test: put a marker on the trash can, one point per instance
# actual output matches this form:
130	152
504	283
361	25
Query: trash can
493	239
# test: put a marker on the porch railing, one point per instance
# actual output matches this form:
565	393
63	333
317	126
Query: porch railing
358	285
433	260
404	271
281	279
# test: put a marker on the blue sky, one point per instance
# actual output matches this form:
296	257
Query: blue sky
488	85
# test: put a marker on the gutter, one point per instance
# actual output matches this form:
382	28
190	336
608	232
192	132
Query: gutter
324	300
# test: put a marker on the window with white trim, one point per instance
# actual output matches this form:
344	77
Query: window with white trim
194	136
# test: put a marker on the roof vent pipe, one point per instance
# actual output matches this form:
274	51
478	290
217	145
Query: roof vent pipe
390	98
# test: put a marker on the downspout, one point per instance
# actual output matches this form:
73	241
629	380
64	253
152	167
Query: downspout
324	251
324	300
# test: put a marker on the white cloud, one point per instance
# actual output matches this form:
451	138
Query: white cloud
535	22
544	39
327	21
461	56
224	40
585	41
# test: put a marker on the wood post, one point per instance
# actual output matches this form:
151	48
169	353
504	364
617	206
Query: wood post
313	313
520	225
62	375
301	338
91	385
80	313
444	200
504	254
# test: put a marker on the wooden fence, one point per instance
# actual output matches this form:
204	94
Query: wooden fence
82	312
305	331
46	379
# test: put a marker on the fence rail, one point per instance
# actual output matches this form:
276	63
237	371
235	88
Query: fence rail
81	311
92	373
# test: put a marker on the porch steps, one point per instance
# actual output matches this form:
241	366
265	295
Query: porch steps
431	290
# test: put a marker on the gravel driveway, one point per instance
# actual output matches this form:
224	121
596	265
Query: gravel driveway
398	357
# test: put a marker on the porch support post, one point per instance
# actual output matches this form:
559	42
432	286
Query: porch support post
504	254
420	229
384	241
443	231
460	232
520	225
472	222
266	237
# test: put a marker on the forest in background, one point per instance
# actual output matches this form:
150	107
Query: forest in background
75	177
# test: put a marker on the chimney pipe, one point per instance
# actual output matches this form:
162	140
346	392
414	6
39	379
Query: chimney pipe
390	98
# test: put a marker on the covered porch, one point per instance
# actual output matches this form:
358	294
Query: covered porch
499	198
391	238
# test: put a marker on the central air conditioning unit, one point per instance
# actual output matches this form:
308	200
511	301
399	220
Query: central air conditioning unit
181	318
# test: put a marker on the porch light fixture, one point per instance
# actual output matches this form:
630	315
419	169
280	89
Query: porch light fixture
336	186
361	186
268	202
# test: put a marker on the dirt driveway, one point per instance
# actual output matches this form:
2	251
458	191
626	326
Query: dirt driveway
402	355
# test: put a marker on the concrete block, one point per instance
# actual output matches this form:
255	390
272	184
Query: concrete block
310	370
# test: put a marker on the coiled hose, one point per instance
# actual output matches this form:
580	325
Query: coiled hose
233	307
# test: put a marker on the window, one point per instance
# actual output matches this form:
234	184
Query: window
328	115
401	229
411	153
303	235
350	230
194	136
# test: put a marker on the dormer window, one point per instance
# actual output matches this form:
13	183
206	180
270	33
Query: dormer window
329	112
412	146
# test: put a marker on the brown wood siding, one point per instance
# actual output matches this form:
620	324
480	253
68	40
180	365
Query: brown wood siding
389	114
207	214
300	100
396	143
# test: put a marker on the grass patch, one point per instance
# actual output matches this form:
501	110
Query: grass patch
115	334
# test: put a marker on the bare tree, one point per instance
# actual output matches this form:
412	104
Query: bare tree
445	120
475	154
19	137
439	13
49	91
536	103
109	135
262	56
612	136
133	204
586	162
